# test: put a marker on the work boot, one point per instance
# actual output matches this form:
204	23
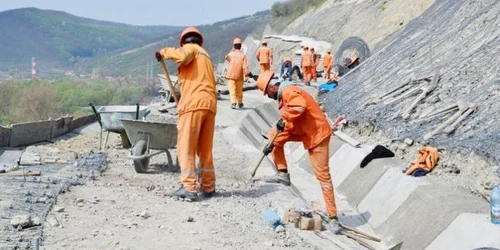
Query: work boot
205	194
183	193
240	105
281	177
233	105
333	225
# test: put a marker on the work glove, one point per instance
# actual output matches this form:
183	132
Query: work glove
158	56
268	149
280	126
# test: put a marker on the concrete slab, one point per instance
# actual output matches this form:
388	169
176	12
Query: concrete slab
269	112
427	212
4	136
361	180
9	157
29	159
29	133
345	160
61	126
392	190
467	226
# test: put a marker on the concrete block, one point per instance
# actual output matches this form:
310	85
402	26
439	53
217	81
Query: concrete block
248	132
392	190
300	156
4	136
29	133
361	180
258	122
345	160
269	112
468	231
82	121
428	211
61	126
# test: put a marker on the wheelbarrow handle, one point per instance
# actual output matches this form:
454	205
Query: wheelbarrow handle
137	112
96	114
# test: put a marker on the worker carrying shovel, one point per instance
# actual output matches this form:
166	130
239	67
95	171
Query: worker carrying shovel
301	120
196	111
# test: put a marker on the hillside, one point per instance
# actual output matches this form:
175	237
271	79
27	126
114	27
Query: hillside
218	42
58	39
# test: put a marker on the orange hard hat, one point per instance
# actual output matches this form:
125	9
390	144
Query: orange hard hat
263	80
190	30
237	40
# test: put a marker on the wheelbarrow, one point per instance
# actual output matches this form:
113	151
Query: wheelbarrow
109	120
147	136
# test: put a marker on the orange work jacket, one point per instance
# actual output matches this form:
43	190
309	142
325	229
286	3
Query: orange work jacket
264	55
306	59
238	65
327	60
196	78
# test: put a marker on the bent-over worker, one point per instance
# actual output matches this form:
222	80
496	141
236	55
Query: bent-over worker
237	72
301	120
196	113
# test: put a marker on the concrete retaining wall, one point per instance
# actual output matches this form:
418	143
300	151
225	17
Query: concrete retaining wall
23	134
82	121
28	133
4	136
399	208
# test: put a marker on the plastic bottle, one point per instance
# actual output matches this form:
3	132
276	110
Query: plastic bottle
495	205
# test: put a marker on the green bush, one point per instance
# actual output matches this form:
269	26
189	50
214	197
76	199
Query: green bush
284	13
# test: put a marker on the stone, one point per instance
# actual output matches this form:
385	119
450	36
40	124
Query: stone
279	229
144	214
22	221
408	141
268	244
80	200
58	209
36	221
29	159
80	204
190	219
53	222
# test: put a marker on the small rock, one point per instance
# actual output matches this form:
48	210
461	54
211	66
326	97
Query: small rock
279	229
36	221
408	141
22	221
58	209
95	233
116	243
53	222
144	214
2	171
434	99
190	219
41	200
80	200
80	204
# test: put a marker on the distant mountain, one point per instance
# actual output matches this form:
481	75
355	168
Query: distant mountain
58	39
218	42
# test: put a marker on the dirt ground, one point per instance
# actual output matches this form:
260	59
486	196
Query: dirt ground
126	210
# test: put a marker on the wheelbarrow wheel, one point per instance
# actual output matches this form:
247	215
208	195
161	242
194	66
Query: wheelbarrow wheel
140	166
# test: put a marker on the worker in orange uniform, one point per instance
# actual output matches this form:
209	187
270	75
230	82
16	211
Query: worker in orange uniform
265	57
301	120
196	113
315	59
237	72
307	64
327	63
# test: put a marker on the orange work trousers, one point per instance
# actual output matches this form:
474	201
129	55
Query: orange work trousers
327	71
265	67
235	90
314	73
319	157
307	74
195	135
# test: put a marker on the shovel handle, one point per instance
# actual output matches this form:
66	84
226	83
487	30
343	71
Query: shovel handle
96	114
263	155
169	81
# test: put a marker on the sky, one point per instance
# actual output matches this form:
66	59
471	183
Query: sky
149	12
